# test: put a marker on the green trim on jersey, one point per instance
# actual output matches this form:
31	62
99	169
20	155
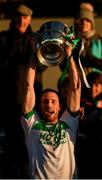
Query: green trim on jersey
40	125
28	115
51	134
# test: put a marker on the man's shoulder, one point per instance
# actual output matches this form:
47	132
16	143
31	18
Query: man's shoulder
96	36
33	34
32	38
67	112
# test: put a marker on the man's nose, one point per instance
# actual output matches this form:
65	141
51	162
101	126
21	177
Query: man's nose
49	104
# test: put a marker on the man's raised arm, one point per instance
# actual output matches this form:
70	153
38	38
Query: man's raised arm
74	93
28	95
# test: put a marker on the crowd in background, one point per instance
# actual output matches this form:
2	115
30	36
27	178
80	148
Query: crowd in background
89	137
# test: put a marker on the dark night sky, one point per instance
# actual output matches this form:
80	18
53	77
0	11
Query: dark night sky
58	8
45	8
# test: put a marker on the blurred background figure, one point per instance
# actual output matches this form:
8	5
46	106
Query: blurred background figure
85	28
89	140
17	48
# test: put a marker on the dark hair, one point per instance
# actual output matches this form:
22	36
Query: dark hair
94	77
50	90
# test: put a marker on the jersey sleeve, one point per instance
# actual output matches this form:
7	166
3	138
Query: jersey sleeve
28	120
72	122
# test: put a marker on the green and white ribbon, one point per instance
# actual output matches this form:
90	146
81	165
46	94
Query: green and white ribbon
73	41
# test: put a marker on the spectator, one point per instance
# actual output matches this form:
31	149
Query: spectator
50	142
85	28
89	140
17	48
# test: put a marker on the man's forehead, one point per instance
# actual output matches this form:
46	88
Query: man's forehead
50	95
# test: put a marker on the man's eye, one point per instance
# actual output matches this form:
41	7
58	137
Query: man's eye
53	101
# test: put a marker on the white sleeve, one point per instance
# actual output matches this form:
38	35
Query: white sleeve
28	121
72	123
